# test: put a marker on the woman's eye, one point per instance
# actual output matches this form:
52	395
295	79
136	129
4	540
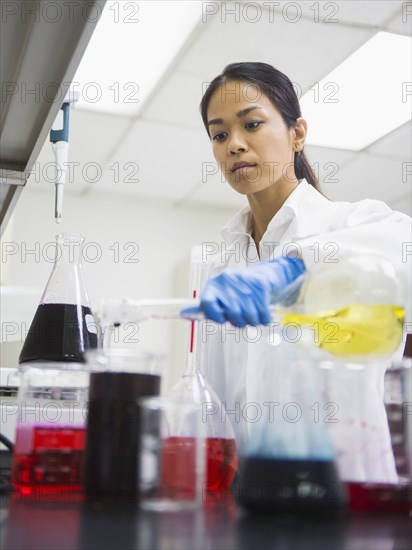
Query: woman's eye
219	137
253	124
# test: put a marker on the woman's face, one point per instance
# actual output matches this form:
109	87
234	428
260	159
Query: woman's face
251	142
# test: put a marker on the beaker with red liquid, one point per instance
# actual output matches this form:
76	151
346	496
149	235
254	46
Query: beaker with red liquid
220	444
172	475
50	431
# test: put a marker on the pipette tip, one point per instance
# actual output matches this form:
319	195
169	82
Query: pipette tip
58	219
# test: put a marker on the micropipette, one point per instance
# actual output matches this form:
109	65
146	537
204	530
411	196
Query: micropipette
60	140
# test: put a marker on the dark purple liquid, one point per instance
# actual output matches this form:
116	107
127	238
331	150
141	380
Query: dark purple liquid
112	458
58	332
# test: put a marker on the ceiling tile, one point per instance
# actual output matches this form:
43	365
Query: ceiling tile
177	102
166	160
365	13
373	13
91	138
397	144
401	21
369	176
300	49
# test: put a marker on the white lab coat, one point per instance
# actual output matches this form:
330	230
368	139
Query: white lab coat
235	360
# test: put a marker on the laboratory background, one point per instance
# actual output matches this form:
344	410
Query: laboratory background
142	185
102	137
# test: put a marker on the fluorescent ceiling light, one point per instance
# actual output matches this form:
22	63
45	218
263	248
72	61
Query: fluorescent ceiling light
133	44
364	98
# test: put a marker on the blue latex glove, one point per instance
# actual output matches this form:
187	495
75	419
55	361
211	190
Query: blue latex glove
242	296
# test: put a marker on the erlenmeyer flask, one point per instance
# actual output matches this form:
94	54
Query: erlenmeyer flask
221	451
288	462
63	327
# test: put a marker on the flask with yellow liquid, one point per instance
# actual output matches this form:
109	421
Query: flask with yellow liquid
353	308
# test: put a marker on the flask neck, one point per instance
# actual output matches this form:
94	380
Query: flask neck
66	284
69	250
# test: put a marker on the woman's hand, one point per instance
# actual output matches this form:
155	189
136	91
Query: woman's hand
243	296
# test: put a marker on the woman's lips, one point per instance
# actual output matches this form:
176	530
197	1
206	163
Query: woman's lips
241	166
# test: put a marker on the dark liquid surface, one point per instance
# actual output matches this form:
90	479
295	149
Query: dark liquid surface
290	485
58	332
54	462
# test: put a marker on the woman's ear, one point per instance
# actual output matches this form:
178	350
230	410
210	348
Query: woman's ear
300	132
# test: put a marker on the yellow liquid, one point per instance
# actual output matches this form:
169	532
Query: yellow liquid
355	330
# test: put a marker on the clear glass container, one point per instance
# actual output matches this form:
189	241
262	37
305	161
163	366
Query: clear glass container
63	327
366	408
172	472
119	377
51	427
289	461
220	442
193	387
351	309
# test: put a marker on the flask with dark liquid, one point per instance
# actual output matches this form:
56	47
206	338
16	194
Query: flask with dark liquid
63	327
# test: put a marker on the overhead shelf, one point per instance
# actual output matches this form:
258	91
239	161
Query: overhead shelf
41	45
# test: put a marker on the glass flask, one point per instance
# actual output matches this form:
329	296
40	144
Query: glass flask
288	463
366	408
51	428
193	387
63	327
351	309
221	451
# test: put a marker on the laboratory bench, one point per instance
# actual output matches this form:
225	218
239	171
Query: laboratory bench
68	522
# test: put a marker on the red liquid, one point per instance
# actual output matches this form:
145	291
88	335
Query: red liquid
221	463
54	463
380	497
58	332
179	464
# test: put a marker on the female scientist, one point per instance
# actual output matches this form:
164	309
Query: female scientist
253	118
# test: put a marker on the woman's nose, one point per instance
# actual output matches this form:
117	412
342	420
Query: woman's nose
236	144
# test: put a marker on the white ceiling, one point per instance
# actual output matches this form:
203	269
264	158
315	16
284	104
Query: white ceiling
165	146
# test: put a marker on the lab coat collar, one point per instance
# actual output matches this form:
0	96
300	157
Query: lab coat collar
241	223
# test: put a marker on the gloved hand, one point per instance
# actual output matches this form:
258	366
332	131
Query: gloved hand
242	296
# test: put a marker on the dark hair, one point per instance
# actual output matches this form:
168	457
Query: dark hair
279	89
